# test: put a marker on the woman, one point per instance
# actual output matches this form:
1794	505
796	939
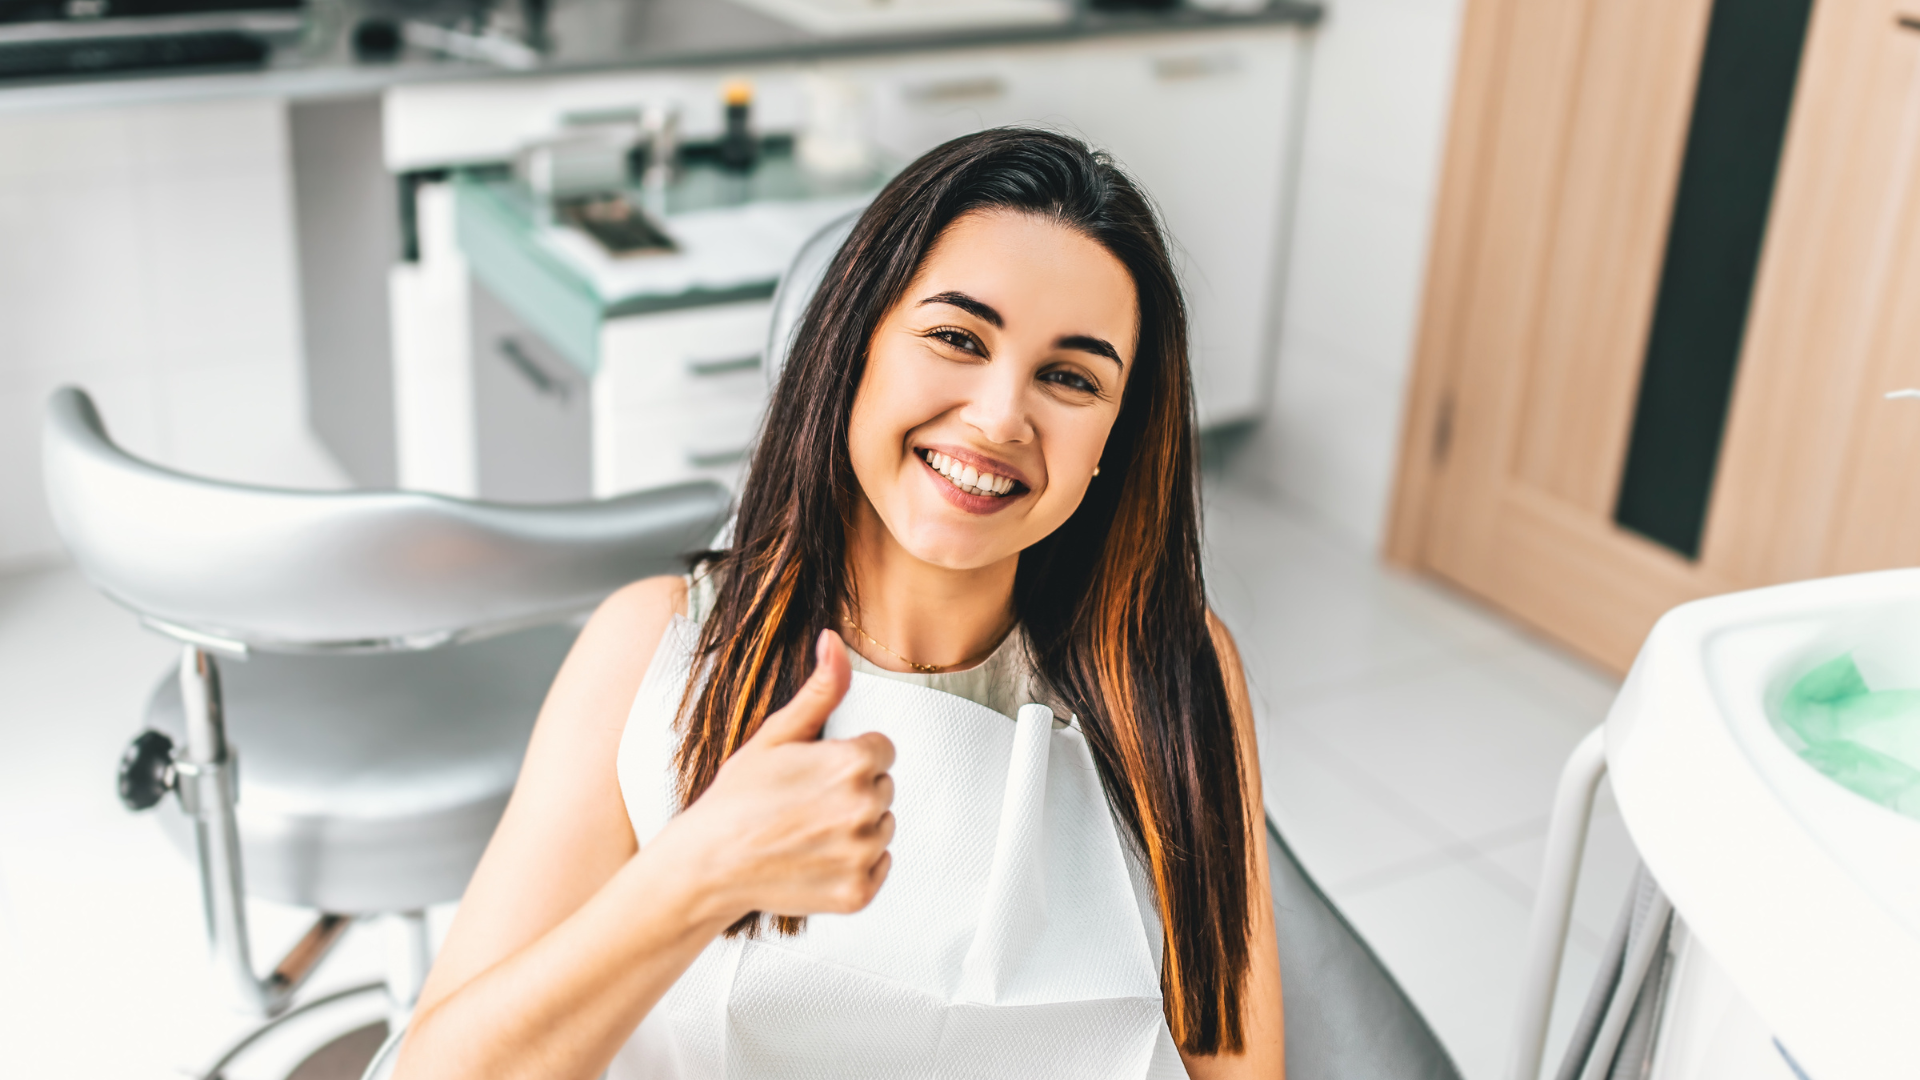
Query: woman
977	473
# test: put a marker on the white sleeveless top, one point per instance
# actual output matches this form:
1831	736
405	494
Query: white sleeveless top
1015	936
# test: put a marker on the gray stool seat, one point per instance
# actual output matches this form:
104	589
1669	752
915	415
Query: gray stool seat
371	783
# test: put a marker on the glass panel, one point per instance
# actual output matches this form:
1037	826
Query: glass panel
1740	110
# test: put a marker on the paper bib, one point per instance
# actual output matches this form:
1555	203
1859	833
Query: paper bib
1013	937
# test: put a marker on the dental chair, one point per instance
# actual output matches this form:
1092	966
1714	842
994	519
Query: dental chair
1346	1017
376	658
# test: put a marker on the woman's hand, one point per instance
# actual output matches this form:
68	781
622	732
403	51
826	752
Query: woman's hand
792	824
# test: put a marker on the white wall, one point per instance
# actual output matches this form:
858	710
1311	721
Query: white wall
146	255
1376	123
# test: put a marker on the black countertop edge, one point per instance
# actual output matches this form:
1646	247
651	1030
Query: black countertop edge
332	79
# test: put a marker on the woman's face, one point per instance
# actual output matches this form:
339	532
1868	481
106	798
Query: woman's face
991	386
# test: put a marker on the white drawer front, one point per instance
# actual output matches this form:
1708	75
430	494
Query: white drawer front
665	444
709	354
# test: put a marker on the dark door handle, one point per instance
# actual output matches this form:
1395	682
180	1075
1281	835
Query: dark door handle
543	384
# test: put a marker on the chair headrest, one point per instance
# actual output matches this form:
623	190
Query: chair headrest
799	283
240	567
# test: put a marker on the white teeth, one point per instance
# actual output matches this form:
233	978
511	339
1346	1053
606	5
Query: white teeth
966	477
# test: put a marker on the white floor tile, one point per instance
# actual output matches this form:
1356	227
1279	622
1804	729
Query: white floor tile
1565	683
1455	942
1465	748
1605	874
1339	831
1309	613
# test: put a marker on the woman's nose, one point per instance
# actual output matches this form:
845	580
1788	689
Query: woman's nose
998	407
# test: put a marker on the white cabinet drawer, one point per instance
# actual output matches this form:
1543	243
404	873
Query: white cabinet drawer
654	445
684	357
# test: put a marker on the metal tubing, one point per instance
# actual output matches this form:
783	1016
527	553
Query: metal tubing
1553	905
409	955
260	1031
209	789
1633	976
306	954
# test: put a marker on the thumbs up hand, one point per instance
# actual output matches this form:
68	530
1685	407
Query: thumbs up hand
793	824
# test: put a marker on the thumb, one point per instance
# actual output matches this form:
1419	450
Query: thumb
802	718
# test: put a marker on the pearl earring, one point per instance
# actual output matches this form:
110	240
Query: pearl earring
1096	470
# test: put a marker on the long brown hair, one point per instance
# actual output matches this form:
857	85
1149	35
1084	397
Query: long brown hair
1113	602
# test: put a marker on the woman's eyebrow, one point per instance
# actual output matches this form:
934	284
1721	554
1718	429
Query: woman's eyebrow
967	304
981	310
1088	343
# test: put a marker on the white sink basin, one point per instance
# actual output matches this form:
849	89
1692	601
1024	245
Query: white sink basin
1806	893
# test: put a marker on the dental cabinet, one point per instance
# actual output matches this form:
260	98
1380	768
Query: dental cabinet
530	364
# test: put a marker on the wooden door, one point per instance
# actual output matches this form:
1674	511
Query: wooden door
1572	121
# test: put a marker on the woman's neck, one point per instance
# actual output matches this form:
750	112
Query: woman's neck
911	614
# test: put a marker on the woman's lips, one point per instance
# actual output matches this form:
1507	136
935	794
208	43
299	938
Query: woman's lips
963	498
973	475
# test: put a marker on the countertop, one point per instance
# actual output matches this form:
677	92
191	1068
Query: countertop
586	36
736	235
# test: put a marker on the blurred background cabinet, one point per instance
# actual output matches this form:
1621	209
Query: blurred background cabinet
533	412
1209	122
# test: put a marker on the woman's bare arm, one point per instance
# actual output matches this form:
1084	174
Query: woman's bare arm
1261	1017
568	935
563	839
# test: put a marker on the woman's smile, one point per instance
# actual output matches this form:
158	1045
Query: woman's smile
976	484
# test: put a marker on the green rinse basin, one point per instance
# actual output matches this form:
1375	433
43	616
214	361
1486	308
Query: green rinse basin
1866	740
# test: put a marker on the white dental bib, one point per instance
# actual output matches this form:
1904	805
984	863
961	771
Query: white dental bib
1014	935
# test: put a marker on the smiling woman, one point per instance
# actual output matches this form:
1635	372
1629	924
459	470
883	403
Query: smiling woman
979	463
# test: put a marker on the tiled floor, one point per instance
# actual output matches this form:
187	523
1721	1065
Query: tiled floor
1410	744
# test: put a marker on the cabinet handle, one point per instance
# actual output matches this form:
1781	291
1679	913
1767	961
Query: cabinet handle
1194	66
948	91
725	365
543	384
707	459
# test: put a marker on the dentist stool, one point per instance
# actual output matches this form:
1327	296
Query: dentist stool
376	658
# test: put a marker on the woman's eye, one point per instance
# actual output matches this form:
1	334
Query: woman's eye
1072	380
958	339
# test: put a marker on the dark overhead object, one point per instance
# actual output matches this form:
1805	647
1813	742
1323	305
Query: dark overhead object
78	11
376	39
101	55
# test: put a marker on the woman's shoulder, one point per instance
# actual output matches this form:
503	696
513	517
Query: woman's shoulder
640	613
650	603
617	645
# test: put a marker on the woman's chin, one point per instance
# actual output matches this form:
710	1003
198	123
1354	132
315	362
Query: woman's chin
942	537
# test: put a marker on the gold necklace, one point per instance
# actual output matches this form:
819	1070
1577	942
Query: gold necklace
924	669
